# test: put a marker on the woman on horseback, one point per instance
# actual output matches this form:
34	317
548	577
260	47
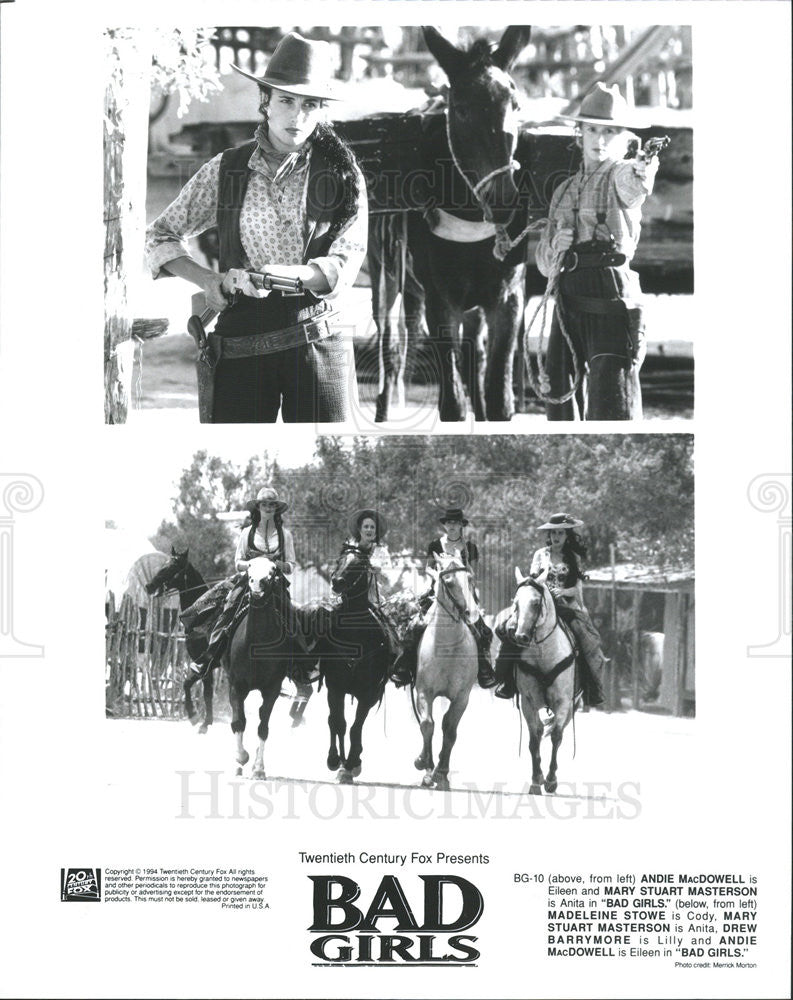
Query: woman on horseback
265	535
557	563
367	530
452	542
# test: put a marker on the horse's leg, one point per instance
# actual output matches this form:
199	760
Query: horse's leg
535	738
209	691
337	725
187	687
444	321
424	762
503	324
352	765
451	720
475	360
557	732
237	697
269	697
614	391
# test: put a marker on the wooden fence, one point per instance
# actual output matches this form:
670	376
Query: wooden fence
145	660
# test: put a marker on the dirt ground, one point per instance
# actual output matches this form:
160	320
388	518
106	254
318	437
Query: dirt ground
164	373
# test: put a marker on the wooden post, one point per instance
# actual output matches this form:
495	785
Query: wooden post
125	149
635	664
611	674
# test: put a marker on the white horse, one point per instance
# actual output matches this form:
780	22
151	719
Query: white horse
447	663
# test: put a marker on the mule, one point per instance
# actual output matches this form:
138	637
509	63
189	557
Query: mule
446	665
179	574
452	244
263	651
545	670
354	658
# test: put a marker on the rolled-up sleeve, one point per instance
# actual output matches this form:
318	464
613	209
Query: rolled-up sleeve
193	211
343	260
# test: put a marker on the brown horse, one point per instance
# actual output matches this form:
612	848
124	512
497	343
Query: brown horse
453	244
545	672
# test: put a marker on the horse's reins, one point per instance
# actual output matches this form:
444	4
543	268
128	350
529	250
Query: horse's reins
447	572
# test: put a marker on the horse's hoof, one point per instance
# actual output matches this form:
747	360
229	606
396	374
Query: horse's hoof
344	777
259	775
550	787
333	761
238	772
441	782
427	781
356	771
535	790
202	730
243	757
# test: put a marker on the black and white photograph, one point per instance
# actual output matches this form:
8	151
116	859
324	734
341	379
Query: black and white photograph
382	612
433	581
487	223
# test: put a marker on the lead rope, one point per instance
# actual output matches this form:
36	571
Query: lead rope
540	384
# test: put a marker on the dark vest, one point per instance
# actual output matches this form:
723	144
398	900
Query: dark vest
323	201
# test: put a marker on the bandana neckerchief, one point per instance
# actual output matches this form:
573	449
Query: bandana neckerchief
280	165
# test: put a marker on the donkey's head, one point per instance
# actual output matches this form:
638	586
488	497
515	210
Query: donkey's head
483	115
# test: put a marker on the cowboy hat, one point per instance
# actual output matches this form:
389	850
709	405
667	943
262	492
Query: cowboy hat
453	514
560	521
268	493
354	524
300	66
603	106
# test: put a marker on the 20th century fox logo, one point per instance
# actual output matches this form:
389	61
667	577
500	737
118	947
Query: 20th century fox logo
350	934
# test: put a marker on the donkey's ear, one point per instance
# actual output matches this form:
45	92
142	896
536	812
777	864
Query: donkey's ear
173	551
519	578
513	42
450	58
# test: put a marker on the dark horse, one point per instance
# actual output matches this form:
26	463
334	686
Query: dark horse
453	244
354	657
180	574
263	651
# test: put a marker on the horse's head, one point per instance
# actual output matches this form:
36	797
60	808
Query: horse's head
261	577
483	115
532	605
171	576
351	570
455	584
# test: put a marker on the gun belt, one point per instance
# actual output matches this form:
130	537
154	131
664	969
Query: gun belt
257	344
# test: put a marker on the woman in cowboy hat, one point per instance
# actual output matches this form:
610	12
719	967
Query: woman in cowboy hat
293	199
594	222
451	542
263	535
557	563
367	531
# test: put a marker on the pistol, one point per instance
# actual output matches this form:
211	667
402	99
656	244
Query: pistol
651	148
270	281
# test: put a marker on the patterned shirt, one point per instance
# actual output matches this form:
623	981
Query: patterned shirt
274	226
613	189
558	573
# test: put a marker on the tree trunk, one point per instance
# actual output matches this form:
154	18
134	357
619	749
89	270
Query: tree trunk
125	148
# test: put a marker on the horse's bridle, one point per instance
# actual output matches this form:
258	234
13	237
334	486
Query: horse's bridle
475	189
448	572
530	582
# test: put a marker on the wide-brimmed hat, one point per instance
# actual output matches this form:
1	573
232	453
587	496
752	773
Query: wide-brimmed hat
354	523
560	521
268	493
603	106
300	66
453	514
